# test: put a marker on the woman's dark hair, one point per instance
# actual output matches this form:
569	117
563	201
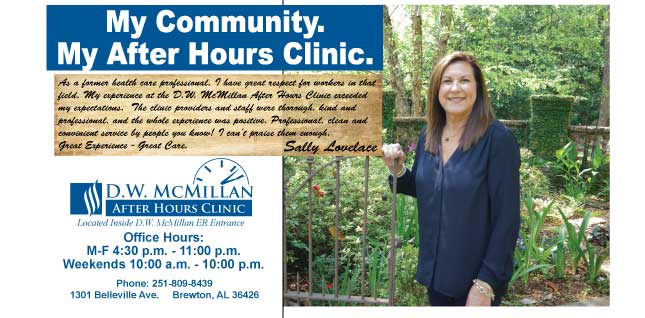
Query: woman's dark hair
480	118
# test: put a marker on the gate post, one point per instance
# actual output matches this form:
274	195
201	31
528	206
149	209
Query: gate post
392	260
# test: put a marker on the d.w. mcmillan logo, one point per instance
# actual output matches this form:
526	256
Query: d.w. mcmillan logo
85	198
220	187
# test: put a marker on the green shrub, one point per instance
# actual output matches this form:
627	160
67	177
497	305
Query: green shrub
377	271
549	123
576	239
593	261
532	251
521	133
352	176
532	180
577	180
557	257
407	221
408	292
600	175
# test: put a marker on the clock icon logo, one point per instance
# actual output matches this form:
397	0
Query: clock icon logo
221	171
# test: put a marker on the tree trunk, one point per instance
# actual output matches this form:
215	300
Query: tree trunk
417	61
603	116
396	79
445	26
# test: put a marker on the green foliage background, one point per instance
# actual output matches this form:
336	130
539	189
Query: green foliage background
523	49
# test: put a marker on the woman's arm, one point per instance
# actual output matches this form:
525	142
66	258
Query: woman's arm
406	183
504	196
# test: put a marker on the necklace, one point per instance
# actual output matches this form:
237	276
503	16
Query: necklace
447	138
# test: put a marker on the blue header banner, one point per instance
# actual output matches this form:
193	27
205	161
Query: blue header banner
130	38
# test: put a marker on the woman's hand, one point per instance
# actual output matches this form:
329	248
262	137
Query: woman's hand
394	158
476	298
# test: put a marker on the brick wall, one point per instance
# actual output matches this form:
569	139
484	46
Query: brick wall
582	135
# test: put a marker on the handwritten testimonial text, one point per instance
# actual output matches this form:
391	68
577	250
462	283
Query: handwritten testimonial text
304	114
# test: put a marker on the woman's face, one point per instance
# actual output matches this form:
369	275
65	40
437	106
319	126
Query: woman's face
458	89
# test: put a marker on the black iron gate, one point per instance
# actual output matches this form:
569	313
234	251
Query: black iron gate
299	297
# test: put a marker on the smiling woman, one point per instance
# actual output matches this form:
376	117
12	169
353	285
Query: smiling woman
457	76
458	90
465	177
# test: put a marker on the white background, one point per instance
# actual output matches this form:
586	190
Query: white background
36	232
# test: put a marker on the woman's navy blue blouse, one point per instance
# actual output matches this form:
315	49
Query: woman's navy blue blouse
469	212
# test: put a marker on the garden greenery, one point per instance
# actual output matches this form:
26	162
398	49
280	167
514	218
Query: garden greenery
578	181
539	250
533	182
